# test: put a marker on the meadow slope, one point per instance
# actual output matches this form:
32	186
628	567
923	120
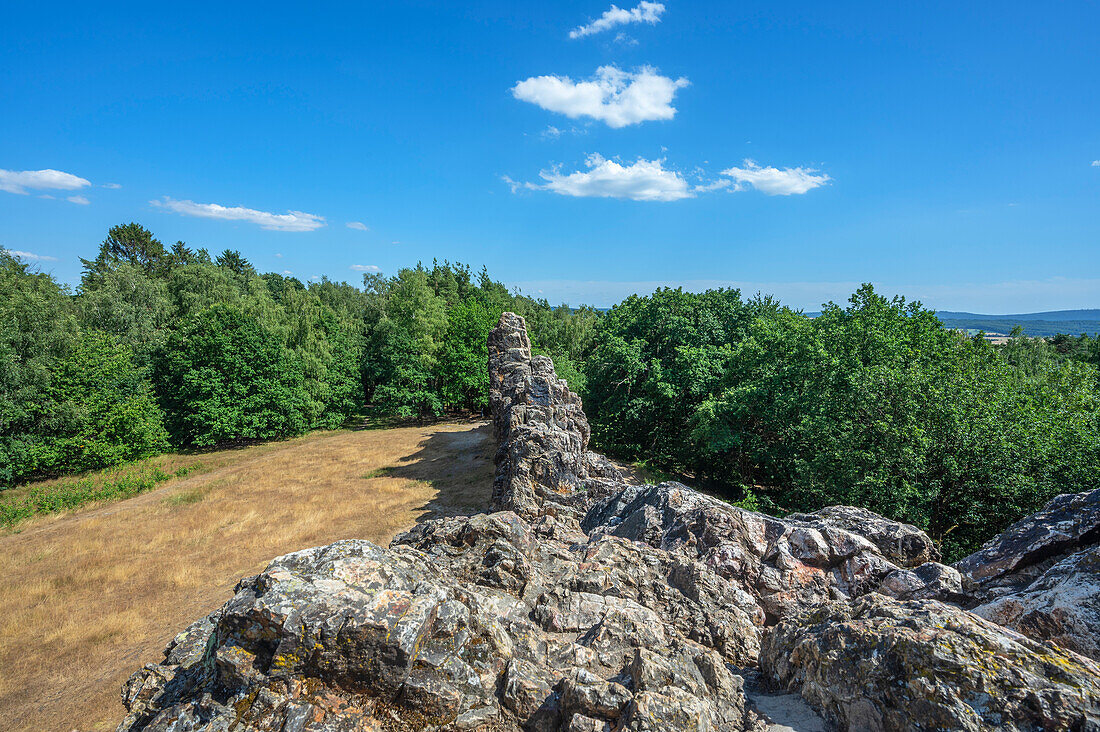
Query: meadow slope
90	596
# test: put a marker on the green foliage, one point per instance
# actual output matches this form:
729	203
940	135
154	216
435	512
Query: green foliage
426	337
73	493
233	355
656	359
36	332
107	407
328	344
127	304
131	244
69	401
876	405
464	355
223	376
749	501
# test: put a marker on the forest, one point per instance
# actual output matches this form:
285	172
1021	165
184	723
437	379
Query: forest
875	403
170	348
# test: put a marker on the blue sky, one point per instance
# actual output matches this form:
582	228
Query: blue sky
941	150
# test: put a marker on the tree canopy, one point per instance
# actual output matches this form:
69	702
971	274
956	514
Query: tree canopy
874	403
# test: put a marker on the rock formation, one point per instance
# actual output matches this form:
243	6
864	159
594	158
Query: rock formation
880	664
541	430
1041	576
785	564
583	602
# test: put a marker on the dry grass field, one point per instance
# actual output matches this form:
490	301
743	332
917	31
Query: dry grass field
87	597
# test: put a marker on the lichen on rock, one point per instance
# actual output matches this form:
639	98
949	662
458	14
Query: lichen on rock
880	664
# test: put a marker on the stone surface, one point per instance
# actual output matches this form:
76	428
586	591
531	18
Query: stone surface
880	664
588	604
541	429
1041	576
1025	550
473	623
1062	605
903	544
784	564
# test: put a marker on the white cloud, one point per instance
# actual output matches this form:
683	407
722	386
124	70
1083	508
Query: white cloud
1096	163
616	97
644	12
290	221
278	255
287	272
112	186
31	256
649	180
714	185
18	181
358	226
553	133
644	180
775	182
365	268
82	200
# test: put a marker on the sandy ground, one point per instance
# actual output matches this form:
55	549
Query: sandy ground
90	596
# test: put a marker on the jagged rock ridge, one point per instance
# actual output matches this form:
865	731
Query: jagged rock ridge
586	603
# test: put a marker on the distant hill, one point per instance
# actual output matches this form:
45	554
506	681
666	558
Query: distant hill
1045	324
1073	322
1053	316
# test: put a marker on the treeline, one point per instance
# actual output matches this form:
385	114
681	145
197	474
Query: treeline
876	404
163	347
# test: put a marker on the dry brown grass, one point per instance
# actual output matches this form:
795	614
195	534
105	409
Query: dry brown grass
88	597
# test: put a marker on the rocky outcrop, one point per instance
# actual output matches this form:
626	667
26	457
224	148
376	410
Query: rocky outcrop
880	664
1025	550
903	544
786	564
1041	576
481	622
540	428
585	603
1062	605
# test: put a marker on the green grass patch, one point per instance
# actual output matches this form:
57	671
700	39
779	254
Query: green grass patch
185	498
63	495
386	472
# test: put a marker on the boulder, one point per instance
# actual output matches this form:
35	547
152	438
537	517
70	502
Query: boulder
1062	605
903	544
1024	551
879	664
472	623
1041	576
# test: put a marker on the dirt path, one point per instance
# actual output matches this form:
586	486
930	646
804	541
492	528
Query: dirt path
89	597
